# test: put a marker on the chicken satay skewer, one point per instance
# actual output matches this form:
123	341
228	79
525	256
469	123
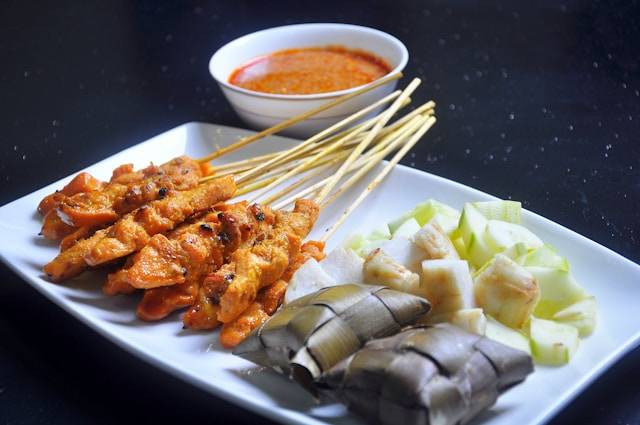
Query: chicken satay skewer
134	229
245	141
378	179
170	266
291	121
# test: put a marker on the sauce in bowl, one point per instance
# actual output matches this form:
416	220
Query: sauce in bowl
309	70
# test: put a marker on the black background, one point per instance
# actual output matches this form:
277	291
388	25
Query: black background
537	101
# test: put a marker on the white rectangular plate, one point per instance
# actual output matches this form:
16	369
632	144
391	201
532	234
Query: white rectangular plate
197	357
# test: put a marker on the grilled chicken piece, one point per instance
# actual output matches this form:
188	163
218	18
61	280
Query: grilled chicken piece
168	260
203	313
70	263
241	228
268	299
104	206
135	229
266	303
157	303
187	254
53	228
116	284
265	262
76	235
83	182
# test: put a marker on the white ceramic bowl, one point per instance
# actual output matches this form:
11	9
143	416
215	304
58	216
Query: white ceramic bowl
262	110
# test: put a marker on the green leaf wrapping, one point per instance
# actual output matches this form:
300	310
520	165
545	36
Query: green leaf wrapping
425	375
313	333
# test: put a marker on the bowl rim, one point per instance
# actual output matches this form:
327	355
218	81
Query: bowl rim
404	58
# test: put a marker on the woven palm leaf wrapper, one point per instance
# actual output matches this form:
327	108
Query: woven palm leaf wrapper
313	333
439	375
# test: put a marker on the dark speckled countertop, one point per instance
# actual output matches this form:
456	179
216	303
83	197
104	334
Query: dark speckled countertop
537	101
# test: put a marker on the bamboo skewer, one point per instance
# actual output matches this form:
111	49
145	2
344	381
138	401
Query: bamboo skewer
247	164
314	158
263	181
362	161
344	141
384	118
321	135
302	180
378	179
294	120
318	165
424	109
404	134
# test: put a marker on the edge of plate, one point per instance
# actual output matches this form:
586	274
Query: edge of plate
289	416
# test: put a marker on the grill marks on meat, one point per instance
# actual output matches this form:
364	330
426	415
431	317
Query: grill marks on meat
168	260
268	299
238	221
264	263
157	303
135	229
128	191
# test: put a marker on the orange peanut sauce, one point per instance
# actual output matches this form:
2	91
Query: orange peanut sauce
309	70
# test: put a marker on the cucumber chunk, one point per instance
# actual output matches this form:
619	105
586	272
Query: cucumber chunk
517	252
552	343
472	228
498	332
558	290
545	256
407	229
509	211
447	216
502	235
580	315
426	211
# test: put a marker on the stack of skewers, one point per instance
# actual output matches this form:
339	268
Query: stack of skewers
174	233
